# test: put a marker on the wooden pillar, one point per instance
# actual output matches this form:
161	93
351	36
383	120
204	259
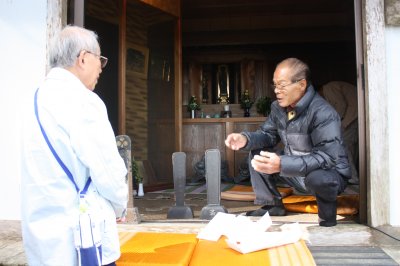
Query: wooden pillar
122	69
378	183
178	85
56	20
79	13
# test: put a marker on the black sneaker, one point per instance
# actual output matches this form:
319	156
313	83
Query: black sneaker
272	210
327	223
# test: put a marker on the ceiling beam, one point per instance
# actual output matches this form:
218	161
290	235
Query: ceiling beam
245	37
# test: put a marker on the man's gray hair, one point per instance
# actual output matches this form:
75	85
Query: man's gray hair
299	69
68	43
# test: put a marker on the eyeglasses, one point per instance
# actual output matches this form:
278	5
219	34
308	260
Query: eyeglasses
103	59
280	88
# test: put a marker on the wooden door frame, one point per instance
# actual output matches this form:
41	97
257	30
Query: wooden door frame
361	111
122	68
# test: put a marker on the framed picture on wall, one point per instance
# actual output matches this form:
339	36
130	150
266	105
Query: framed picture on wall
137	60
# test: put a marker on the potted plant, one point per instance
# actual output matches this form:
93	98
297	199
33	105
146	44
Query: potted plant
138	177
193	106
246	103
263	105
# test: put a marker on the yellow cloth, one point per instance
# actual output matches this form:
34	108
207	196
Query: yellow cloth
156	249
184	249
245	193
208	253
346	204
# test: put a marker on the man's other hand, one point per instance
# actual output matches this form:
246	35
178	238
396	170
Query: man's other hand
266	162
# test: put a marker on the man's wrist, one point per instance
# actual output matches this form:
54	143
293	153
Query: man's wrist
246	138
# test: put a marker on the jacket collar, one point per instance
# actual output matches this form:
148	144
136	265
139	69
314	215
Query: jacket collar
305	100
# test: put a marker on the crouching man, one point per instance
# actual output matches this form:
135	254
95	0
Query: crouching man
314	159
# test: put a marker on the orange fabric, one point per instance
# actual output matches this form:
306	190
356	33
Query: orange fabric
346	204
208	253
157	249
125	236
237	196
245	193
241	188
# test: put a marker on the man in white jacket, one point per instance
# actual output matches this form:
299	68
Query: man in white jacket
76	123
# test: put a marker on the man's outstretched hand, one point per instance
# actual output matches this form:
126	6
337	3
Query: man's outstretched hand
235	141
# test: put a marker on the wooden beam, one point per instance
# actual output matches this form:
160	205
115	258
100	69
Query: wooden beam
79	13
172	7
245	37
178	85
227	8
254	22
122	69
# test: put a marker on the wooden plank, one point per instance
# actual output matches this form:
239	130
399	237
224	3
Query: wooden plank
172	7
122	69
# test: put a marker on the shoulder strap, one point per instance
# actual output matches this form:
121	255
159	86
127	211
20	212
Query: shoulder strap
60	162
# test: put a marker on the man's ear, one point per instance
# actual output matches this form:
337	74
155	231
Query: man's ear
81	58
303	84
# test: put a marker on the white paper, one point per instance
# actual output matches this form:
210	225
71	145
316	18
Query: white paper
245	235
264	240
233	226
217	226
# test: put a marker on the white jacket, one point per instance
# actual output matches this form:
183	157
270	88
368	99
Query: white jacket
76	122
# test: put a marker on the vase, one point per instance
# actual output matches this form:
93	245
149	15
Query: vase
246	112
140	190
192	114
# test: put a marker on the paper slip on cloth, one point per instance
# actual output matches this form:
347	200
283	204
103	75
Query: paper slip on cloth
346	204
148	248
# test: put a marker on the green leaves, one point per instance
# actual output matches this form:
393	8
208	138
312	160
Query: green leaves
245	101
263	105
193	105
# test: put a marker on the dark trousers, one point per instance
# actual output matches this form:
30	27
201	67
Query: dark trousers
325	185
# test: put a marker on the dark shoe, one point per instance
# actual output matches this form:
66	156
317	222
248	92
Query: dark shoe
272	210
327	223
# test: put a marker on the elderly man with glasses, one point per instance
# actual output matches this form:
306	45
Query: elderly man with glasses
314	159
66	135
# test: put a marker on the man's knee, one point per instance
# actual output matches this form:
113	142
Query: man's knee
325	183
319	179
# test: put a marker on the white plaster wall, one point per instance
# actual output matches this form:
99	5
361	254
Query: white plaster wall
393	81
376	102
22	68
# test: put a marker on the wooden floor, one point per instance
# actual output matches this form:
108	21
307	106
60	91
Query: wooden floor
153	206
